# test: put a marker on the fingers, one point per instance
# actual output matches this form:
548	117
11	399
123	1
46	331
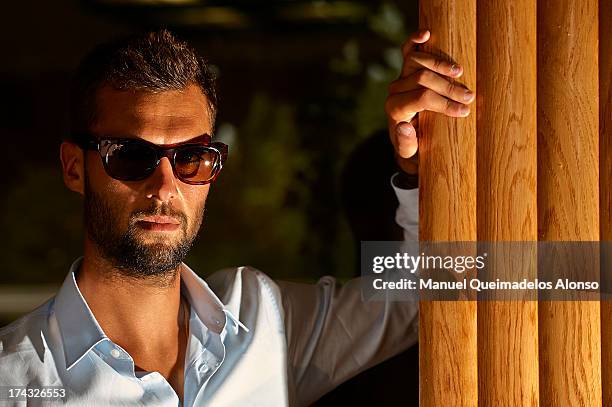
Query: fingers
404	106
415	39
414	60
439	84
406	140
417	60
426	83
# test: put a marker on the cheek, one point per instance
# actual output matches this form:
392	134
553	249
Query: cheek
195	199
109	188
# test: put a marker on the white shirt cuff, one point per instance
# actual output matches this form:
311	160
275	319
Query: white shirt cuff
407	214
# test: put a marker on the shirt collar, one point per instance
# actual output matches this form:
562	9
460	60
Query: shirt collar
80	330
209	308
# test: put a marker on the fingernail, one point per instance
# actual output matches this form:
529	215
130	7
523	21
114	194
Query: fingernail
405	130
455	69
467	96
464	111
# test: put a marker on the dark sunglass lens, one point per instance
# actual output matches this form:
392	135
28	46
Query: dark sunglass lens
196	163
129	160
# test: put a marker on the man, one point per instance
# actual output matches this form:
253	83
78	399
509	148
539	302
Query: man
133	325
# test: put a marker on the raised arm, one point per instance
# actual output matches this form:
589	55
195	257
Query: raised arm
332	333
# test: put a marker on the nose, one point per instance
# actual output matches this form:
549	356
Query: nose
161	184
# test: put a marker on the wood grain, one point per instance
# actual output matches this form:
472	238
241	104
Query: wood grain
507	195
605	168
447	149
568	192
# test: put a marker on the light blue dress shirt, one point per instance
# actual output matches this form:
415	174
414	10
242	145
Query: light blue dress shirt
78	356
295	342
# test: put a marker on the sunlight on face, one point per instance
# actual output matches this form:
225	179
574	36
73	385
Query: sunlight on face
146	227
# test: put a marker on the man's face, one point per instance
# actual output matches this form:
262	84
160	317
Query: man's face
145	228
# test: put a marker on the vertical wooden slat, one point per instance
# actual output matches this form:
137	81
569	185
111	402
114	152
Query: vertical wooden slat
568	192
447	330
507	195
605	165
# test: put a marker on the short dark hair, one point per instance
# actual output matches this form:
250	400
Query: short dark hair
155	61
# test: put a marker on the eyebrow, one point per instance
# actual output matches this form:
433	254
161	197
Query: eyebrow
202	138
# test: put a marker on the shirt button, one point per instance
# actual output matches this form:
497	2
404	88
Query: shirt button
115	353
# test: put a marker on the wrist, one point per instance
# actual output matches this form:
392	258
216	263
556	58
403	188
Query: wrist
408	165
404	180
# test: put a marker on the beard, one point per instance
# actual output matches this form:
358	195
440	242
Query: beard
126	250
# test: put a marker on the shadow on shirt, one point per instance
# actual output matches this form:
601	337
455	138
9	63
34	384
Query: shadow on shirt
370	204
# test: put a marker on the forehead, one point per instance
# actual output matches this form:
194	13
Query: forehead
162	118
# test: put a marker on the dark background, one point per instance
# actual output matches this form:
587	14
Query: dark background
302	86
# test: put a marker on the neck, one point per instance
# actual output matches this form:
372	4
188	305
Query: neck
142	316
129	309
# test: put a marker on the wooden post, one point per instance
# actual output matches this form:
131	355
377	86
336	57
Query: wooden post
568	192
507	195
447	331
605	166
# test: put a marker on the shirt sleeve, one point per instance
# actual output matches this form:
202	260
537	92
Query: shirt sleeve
332	334
407	214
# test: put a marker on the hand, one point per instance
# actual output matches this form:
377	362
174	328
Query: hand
425	83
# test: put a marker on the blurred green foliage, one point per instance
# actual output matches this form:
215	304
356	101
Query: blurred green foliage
281	183
276	204
44	227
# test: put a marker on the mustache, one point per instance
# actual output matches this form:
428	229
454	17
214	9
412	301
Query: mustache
163	209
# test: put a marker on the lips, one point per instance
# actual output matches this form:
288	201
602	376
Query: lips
159	223
161	219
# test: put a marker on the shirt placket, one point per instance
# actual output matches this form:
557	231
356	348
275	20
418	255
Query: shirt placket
156	389
206	356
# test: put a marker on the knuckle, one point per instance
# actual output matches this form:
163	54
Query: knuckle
451	107
437	64
425	96
450	88
392	86
389	106
406	46
422	77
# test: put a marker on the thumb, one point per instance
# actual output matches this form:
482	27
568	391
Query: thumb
407	143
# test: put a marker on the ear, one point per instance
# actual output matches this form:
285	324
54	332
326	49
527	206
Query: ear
73	166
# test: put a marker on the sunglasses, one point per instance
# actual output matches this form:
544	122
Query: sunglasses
195	162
